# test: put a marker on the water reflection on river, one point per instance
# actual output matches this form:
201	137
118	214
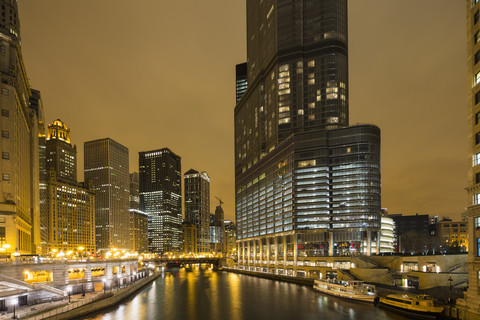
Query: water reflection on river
200	293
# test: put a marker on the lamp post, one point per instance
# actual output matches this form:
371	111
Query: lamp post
15	301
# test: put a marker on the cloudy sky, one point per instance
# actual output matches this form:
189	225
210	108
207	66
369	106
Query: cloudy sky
155	73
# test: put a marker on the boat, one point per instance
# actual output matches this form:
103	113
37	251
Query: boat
421	305
349	289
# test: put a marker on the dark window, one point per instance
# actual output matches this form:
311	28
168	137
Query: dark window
477	177
5	155
478	247
477	57
476	16
5	91
2	235
6	176
477	117
477	37
5	134
477	138
6	113
477	97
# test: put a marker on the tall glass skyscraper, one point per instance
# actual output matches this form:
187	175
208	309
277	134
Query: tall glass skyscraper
106	166
307	183
197	206
161	199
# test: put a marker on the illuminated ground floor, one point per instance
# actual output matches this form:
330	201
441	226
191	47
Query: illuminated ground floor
298	249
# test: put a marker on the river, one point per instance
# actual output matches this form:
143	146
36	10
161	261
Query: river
200	293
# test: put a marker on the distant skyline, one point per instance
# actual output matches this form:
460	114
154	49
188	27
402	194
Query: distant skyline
162	74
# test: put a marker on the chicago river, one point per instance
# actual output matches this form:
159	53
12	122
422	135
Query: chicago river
200	293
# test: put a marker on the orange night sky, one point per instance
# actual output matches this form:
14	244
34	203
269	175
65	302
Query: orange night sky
152	74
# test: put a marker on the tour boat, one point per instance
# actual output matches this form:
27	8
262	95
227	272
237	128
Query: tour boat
355	290
422	305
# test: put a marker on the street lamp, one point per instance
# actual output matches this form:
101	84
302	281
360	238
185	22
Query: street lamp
104	282
450	290
15	301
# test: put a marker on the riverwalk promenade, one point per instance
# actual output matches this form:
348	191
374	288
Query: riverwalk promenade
78	305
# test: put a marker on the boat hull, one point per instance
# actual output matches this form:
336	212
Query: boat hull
346	295
413	312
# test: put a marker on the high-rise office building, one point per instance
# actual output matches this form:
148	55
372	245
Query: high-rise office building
230	238
36	105
138	219
161	199
307	183
69	220
106	166
473	186
61	154
20	125
197	206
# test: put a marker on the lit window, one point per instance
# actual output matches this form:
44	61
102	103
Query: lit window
311	105
284	120
477	79
311	81
476	198
311	117
331	96
283	68
284	109
307	163
300	112
476	159
6	176
478	247
311	63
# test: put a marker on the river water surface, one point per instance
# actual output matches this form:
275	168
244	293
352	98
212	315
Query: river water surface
200	293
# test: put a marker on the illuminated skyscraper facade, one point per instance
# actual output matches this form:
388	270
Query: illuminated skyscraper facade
106	166
473	187
69	220
61	154
197	206
19	144
161	199
307	183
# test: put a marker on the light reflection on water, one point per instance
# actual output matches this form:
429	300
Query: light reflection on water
198	293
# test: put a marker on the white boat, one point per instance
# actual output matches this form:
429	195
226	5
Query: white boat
351	289
422	304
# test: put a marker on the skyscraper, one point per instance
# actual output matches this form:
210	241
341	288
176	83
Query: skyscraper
106	166
473	186
197	206
61	154
161	199
307	184
138	219
19	166
70	209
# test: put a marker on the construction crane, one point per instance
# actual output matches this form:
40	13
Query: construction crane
219	199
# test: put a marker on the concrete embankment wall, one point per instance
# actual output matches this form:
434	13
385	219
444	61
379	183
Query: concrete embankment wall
297	280
105	301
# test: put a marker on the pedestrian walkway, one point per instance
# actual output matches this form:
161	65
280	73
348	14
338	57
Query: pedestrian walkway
26	311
